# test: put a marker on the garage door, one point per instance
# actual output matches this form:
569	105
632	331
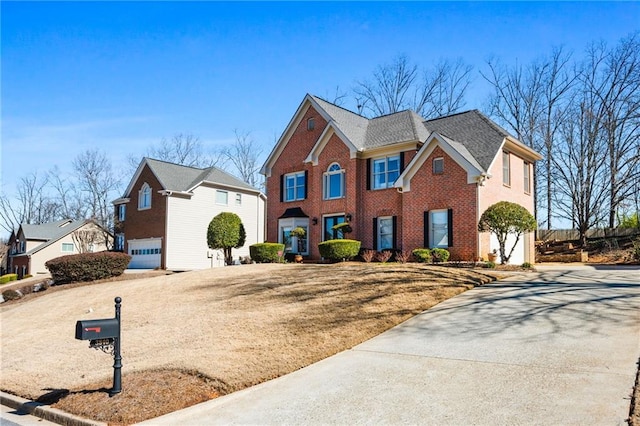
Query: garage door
145	254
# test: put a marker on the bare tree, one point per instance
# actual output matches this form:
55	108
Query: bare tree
397	86
67	195
244	156
31	204
98	185
85	239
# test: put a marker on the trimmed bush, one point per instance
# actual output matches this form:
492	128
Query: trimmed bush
422	255
87	266
8	277
267	252
338	250
440	254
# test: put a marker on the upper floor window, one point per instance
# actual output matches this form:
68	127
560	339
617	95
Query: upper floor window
67	247
385	171
121	212
438	166
222	197
311	124
527	177
334	182
295	186
144	197
506	169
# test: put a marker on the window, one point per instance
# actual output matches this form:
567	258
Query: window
121	212
67	247
438	166
222	197
334	182
506	169
119	243
385	233
295	187
330	233
439	229
144	197
311	124
298	245
238	199
385	171
527	177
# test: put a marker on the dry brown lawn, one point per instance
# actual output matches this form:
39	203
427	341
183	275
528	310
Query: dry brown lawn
209	332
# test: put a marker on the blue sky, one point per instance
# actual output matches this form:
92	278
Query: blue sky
121	76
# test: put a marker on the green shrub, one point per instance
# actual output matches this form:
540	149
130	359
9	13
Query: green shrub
422	255
440	254
27	276
11	295
267	252
527	265
489	265
8	277
337	250
87	266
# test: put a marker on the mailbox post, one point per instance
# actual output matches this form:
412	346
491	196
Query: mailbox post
104	334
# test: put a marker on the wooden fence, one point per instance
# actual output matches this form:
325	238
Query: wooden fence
573	234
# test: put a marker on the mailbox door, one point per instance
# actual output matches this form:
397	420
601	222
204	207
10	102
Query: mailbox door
97	329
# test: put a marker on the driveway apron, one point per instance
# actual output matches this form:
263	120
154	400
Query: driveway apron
558	346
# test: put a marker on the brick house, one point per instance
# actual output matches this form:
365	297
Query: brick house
401	182
163	216
31	246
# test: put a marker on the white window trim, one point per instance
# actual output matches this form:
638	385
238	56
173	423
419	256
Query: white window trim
67	245
379	232
386	159
122	211
285	188
506	168
441	161
326	178
289	224
145	189
220	191
431	224
527	177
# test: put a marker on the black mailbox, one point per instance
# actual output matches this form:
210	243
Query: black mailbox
97	329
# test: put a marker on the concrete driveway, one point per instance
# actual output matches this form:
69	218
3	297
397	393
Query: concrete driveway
556	347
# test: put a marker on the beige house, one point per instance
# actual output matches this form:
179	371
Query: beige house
31	246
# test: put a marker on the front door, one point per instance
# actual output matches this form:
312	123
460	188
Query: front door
329	223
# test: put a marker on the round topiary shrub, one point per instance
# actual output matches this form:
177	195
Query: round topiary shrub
422	255
87	266
267	252
338	250
440	254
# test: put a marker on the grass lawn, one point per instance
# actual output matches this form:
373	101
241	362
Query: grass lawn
190	337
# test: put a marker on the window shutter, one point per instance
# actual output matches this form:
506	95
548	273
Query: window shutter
375	233
281	188
395	231
368	173
306	183
450	227
401	162
426	229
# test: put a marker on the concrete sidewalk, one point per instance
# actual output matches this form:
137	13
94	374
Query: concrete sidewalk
556	347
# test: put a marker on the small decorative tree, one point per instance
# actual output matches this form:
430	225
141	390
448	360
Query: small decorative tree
504	218
226	232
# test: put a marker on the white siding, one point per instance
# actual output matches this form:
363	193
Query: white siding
188	220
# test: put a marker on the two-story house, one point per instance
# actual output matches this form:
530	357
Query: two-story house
31	246
163	216
402	182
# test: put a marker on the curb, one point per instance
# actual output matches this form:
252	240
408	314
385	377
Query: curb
44	411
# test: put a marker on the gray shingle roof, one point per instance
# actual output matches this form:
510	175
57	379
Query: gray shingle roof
474	135
47	231
481	136
176	177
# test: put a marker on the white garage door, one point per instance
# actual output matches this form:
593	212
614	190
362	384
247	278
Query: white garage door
145	254
518	255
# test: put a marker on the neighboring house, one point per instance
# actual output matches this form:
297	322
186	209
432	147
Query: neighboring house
31	246
163	216
401	182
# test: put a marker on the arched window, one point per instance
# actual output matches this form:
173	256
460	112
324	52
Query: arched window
334	182
144	197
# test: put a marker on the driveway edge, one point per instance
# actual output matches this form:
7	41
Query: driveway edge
44	411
